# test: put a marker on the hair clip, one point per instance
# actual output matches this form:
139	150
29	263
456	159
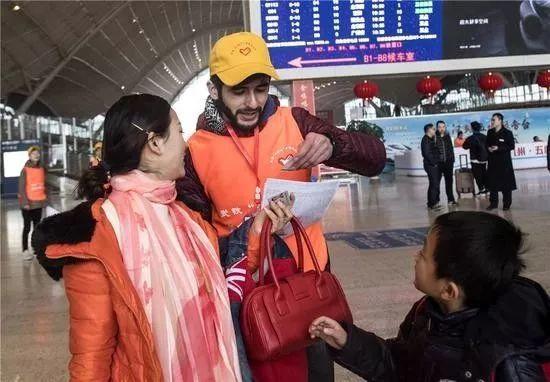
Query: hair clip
138	127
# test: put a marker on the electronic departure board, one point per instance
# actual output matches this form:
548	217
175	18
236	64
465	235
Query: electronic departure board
328	38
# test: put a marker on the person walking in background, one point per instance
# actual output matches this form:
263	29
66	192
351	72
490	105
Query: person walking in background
500	172
459	140
478	156
430	154
32	196
446	159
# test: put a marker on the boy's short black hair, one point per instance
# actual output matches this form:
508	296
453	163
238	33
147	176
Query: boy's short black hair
475	125
499	116
440	121
428	127
478	251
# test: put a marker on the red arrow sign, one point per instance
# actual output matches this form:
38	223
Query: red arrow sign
299	63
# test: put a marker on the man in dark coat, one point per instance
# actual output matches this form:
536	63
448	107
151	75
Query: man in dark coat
476	143
431	159
500	173
446	159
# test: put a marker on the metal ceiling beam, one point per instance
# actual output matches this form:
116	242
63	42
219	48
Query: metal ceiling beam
49	78
47	34
174	47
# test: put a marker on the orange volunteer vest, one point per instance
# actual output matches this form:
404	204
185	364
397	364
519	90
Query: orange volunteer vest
35	178
230	183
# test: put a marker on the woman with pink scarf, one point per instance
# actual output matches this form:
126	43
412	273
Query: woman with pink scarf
148	298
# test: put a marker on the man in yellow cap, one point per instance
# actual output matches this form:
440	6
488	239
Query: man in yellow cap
245	137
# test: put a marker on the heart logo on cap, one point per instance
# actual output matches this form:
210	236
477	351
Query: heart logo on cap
245	51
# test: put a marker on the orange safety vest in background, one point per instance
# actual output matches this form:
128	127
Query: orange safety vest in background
35	182
230	183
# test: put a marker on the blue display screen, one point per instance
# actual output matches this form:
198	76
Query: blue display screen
312	34
355	32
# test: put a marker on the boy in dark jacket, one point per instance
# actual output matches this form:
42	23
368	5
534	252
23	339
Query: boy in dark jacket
479	320
478	156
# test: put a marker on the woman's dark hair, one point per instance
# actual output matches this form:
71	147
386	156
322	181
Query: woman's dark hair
499	116
478	251
428	127
125	132
475	125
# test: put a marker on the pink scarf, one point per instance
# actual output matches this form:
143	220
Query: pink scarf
177	275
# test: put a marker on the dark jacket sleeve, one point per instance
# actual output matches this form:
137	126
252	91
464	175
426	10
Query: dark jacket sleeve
467	143
22	189
427	151
356	152
191	191
520	368
366	355
376	359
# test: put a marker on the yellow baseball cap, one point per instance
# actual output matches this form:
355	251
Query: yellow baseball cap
238	56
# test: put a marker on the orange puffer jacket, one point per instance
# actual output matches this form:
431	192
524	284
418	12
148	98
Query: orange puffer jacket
110	336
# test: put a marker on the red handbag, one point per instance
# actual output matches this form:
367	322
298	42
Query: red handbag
275	318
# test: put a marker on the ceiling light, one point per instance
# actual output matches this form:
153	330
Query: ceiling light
16	7
134	21
194	30
123	87
141	31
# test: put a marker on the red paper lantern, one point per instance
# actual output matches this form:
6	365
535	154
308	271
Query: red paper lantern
428	86
490	82
543	79
366	90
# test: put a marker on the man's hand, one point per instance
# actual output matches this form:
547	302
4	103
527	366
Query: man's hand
493	148
315	150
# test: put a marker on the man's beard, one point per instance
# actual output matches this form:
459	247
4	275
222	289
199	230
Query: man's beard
224	110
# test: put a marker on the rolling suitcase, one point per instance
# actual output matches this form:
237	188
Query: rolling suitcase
464	177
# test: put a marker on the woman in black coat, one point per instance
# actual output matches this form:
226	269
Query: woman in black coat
500	172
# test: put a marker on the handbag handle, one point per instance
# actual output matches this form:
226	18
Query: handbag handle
266	249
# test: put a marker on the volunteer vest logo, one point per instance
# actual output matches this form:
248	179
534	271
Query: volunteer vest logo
284	161
283	155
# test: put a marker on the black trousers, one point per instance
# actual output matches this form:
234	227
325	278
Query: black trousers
30	216
506	198
434	179
320	363
447	170
480	174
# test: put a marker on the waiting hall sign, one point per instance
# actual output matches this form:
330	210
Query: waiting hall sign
339	38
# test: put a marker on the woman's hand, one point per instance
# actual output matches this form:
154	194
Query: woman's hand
329	331
278	212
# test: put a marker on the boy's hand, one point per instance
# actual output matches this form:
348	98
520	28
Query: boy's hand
329	331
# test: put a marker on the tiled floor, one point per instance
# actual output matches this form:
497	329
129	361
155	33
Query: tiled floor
378	283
